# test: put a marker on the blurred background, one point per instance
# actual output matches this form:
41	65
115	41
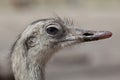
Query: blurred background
98	60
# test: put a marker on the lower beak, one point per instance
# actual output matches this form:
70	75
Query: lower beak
89	35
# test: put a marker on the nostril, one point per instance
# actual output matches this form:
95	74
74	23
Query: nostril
88	34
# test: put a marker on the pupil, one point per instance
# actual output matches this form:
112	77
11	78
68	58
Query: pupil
52	30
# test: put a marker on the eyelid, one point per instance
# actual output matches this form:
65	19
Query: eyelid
55	25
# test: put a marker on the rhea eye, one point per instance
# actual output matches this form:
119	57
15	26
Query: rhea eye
52	30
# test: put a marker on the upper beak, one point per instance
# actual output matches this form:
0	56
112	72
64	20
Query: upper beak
90	35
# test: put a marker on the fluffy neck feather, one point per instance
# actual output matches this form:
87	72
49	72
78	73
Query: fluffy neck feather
25	68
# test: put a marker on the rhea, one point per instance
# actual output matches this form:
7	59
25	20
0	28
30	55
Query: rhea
43	38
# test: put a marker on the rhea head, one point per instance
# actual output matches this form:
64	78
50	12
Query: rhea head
44	37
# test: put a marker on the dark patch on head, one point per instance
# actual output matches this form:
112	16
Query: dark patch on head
55	19
34	22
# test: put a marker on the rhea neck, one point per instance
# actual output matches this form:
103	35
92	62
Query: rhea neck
27	67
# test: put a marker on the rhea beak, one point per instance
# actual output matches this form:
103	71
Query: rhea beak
90	35
80	35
